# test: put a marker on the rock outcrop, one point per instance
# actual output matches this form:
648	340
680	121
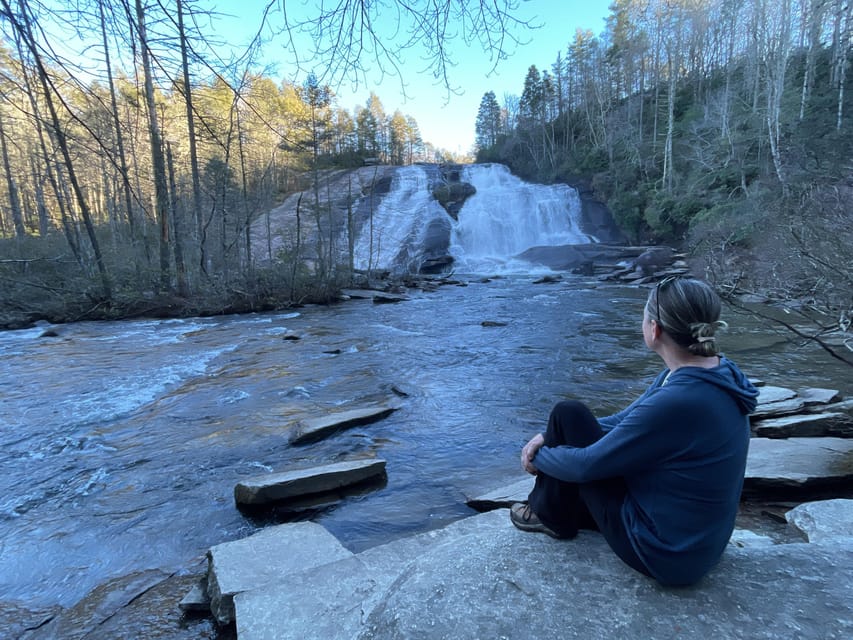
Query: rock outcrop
632	265
482	578
266	558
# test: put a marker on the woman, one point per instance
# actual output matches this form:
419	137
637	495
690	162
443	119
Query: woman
662	478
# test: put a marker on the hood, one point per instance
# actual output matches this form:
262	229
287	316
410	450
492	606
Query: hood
728	377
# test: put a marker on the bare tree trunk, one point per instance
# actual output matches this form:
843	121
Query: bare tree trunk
814	18
670	126
188	101
350	230
25	31
178	245
158	163
38	188
14	200
128	199
842	71
244	193
297	250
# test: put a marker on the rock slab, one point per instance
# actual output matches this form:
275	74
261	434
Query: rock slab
317	428
269	556
482	578
823	520
798	463
805	425
274	487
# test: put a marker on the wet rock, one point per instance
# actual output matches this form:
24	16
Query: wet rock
389	298
86	618
196	600
504	496
439	264
316	428
743	538
653	259
548	280
769	394
452	196
401	390
268	557
797	464
361	294
274	487
823	520
16	619
845	406
805	425
813	396
781	408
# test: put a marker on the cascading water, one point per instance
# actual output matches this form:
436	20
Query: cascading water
393	237
507	216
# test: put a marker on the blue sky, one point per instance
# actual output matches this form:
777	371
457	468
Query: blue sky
446	121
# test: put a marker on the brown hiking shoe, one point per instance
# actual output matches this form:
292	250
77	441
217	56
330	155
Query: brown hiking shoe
522	516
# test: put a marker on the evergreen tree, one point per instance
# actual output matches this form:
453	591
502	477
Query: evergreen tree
488	123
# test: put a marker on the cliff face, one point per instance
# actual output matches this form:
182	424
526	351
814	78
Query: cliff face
346	201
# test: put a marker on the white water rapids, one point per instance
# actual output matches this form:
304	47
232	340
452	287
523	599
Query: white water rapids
508	215
503	218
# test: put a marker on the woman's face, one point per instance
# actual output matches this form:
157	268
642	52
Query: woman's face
648	327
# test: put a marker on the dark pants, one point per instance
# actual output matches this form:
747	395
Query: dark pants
566	507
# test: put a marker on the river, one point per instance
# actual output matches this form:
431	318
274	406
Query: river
121	442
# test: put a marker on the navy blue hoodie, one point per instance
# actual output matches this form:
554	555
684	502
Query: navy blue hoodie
681	448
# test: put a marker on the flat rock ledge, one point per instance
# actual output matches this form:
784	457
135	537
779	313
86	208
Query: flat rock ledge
264	559
314	429
295	483
480	577
790	466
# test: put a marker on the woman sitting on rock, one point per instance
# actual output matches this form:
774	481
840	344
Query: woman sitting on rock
662	478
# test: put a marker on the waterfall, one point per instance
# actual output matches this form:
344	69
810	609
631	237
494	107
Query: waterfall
503	218
394	238
507	216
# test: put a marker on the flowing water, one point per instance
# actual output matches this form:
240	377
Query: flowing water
397	227
121	442
507	215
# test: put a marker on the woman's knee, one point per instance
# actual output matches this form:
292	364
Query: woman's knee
571	422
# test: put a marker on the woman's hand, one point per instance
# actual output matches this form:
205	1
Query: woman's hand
529	452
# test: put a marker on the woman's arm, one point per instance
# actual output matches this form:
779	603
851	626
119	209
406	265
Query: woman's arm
642	441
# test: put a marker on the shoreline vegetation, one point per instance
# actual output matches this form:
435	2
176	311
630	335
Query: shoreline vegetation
142	183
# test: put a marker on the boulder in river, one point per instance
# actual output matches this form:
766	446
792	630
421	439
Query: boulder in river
317	428
294	483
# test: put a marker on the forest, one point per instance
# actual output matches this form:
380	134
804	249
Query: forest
132	174
723	127
129	182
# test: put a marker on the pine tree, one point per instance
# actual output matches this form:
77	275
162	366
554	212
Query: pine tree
488	123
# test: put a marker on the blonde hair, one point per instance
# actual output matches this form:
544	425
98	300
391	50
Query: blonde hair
688	310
